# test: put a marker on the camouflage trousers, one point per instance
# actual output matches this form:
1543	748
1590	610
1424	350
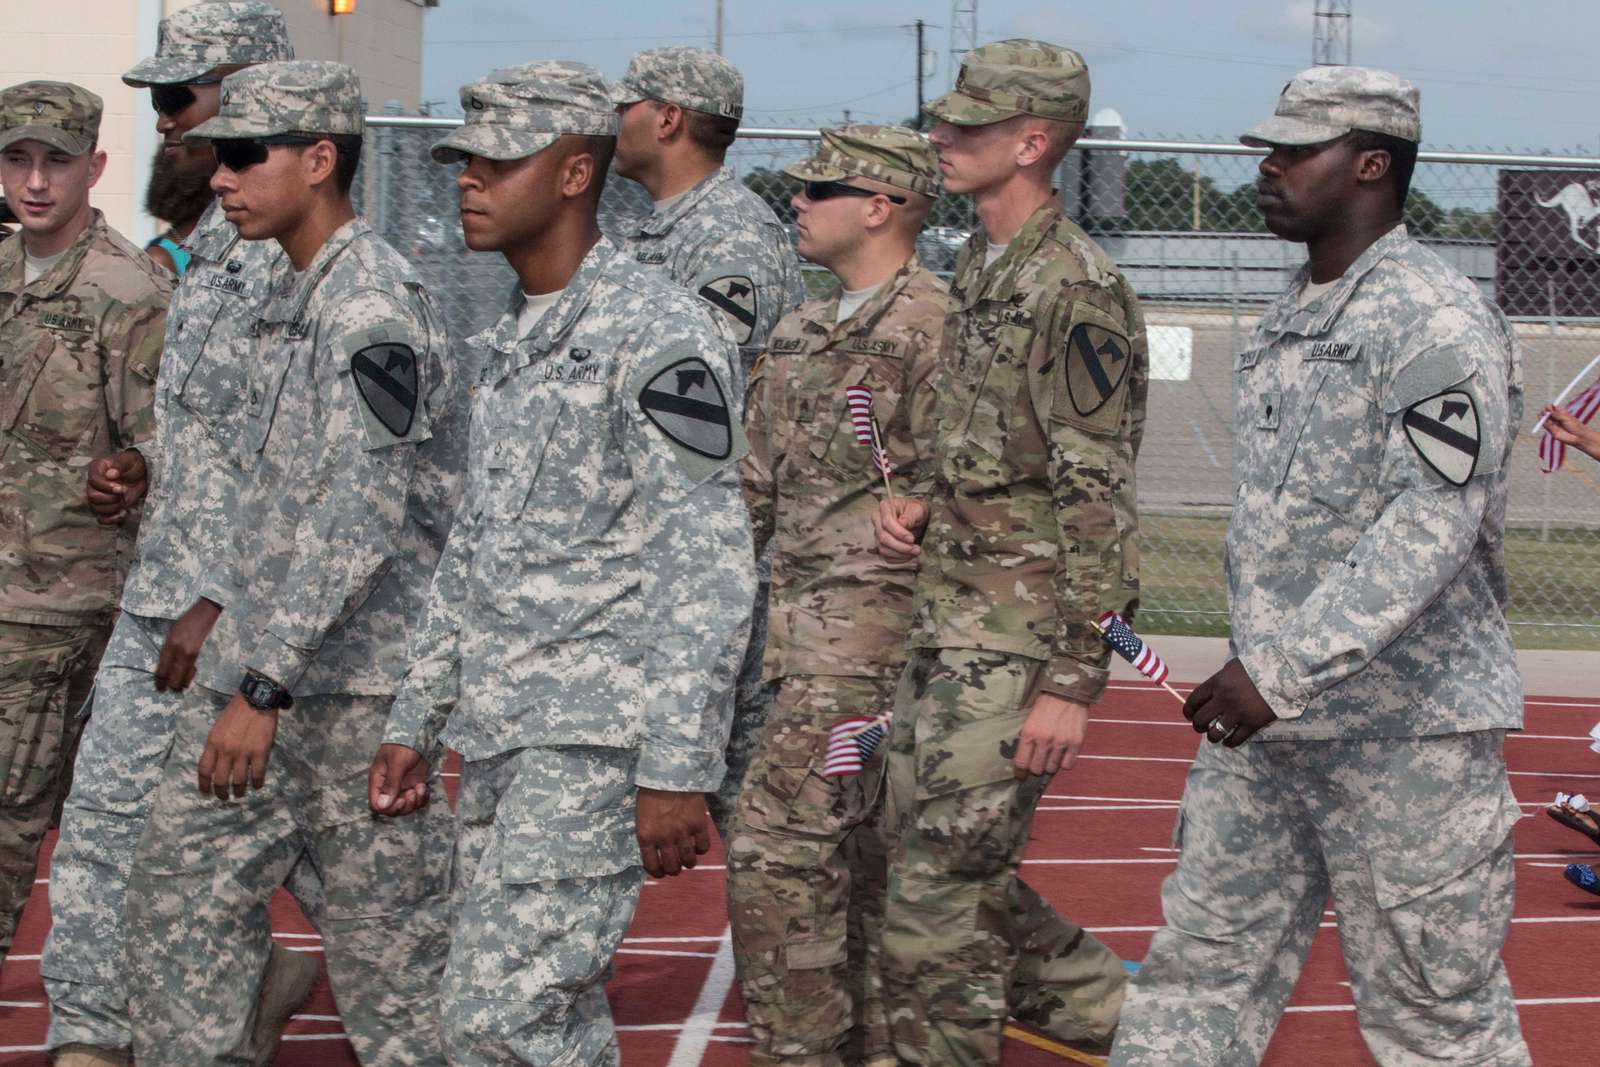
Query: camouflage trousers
45	676
1412	836
198	932
752	703
547	876
965	940
806	873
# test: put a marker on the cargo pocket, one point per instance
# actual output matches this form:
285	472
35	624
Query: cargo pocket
33	723
787	789
374	866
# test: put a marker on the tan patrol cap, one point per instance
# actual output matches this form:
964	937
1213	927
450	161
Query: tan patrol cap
1016	77
893	155
59	114
1325	103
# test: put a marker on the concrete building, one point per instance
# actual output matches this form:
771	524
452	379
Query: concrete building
92	42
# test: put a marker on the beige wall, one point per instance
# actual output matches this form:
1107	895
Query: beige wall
92	42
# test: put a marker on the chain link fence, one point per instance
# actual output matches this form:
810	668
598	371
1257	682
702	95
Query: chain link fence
1180	219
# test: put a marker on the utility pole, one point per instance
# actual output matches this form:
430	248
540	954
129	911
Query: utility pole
918	123
719	27
1330	41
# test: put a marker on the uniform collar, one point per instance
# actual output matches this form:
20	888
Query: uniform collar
1285	315
865	320
998	281
517	351
213	237
288	302
57	279
660	223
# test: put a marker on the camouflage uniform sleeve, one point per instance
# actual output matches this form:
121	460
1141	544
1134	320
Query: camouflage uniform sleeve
354	494
750	284
135	341
1422	537
919	401
755	470
698	572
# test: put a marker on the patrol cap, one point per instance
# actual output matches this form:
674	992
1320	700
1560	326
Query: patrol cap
689	77
213	34
59	114
299	96
517	111
1325	103
1016	77
893	155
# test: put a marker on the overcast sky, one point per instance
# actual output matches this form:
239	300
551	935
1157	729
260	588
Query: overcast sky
1493	74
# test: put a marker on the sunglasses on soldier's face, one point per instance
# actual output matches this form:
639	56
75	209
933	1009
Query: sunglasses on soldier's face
241	153
828	190
170	100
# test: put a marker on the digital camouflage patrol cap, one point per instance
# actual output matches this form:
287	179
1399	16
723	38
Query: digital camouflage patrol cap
59	114
302	96
217	33
1016	77
517	111
689	77
1325	103
893	155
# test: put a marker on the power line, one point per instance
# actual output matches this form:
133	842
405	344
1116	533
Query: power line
667	36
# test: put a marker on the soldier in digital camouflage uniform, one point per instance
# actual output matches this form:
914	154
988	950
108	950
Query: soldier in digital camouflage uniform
1374	417
192	476
582	637
350	444
806	859
81	319
1031	535
716	237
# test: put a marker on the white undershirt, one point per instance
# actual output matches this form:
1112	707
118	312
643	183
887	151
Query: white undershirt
533	309
992	253
1314	290
36	267
850	300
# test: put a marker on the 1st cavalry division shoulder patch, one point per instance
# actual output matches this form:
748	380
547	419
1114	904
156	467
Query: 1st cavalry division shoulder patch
1444	431
735	297
685	402
386	377
1097	362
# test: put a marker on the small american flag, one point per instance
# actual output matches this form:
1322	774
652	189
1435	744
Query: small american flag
1131	647
852	742
1553	453
868	432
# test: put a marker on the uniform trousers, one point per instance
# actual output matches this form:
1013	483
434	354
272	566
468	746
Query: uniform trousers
45	676
806	873
1412	836
965	940
546	880
752	703
198	932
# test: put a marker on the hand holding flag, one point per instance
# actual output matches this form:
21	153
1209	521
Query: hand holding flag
1130	646
1570	424
868	431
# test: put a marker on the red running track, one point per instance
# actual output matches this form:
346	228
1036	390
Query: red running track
1100	849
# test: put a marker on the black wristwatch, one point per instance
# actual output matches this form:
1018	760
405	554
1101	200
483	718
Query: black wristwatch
263	694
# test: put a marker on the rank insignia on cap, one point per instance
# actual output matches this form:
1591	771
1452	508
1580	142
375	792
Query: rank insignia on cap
386	377
38	107
685	401
1097	362
735	297
1444	431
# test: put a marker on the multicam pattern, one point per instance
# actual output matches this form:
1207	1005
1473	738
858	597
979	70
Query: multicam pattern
59	114
216	33
291	96
1016	77
689	77
893	155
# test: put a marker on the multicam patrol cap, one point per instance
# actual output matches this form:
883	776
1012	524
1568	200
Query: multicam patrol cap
301	96
689	77
517	111
59	114
1016	77
1325	103
893	155
208	35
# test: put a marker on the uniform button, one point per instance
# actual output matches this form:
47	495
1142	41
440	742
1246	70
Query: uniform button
255	397
497	450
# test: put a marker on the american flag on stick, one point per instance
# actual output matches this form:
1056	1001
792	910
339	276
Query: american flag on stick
851	743
1553	453
867	430
1133	648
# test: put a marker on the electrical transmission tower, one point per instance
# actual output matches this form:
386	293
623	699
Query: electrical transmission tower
963	33
1330	44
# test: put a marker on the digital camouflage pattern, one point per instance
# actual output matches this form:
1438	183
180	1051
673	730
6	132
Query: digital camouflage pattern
689	77
216	33
79	351
1267	831
1016	77
893	155
517	111
307	96
59	114
836	607
1368	592
1034	529
546	880
807	868
966	941
1324	103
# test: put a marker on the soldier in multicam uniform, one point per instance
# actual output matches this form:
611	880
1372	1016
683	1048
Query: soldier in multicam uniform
1374	419
81	318
192	476
678	112
585	628
806	856
1032	534
348	449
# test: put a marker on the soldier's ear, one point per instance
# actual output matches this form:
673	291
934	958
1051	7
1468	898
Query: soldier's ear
97	166
1373	165
669	122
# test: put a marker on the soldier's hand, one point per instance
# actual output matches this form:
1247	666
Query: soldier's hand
1565	427
671	828
1227	707
1050	739
175	668
237	749
899	525
397	784
116	485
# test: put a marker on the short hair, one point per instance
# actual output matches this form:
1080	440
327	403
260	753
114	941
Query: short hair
347	157
710	133
600	148
1402	158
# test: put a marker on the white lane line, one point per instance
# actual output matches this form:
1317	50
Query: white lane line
1108	807
20	1048
1125	800
1094	863
21	1004
672	940
296	937
665	952
1541	774
340	1036
318	1018
645	1028
15	957
1562	703
1145	759
1510	734
699	1027
303	948
1522	1002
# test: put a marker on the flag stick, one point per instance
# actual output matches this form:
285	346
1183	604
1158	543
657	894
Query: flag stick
877	444
1163	684
1582	375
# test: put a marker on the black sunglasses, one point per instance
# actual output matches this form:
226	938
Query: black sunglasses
828	190
241	153
170	100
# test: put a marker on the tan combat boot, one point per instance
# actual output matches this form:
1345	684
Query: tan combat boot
78	1055
285	985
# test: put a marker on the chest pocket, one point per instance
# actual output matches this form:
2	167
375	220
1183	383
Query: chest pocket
987	374
207	360
1338	438
826	422
264	391
54	393
512	447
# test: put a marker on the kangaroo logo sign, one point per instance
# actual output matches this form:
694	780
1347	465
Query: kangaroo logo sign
1547	255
